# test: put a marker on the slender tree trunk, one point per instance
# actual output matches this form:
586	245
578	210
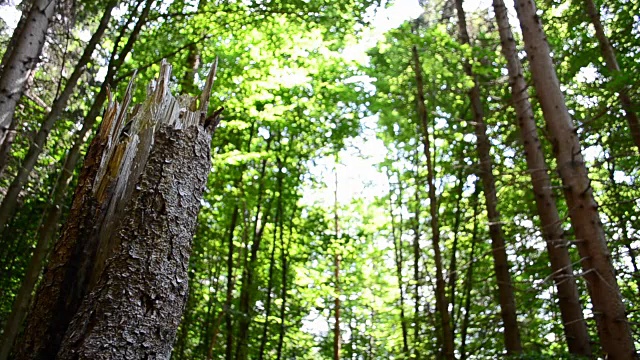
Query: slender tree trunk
575	328
609	55
608	308
469	281
278	218
247	288
337	336
230	282
8	205
22	59
501	265
453	264
284	253
442	304
397	246
416	264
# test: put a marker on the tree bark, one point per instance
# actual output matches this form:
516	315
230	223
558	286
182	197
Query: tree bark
442	304
608	308
575	327
609	55
506	298
8	205
23	58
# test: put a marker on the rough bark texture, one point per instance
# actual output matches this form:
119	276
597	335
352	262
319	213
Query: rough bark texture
609	55
575	328
442	304
23	58
136	204
8	205
608	309
501	265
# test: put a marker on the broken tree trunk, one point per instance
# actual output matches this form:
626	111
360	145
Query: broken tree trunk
117	280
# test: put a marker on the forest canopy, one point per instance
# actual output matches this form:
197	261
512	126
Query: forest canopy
293	179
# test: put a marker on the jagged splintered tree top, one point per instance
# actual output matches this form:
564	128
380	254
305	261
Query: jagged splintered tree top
122	131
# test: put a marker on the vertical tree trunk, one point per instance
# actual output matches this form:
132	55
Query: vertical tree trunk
135	308
575	328
23	58
285	267
453	263
609	55
247	288
8	205
397	246
416	264
278	218
469	277
608	309
230	282
501	265
337	336
442	304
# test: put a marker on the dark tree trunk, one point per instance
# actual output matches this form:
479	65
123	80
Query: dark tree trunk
247	288
399	260
442	304
337	335
506	297
608	308
468	286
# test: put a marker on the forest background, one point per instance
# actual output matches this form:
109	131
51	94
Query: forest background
348	213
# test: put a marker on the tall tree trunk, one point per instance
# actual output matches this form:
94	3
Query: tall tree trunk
399	260
23	58
609	55
575	328
337	336
284	253
8	205
230	281
416	264
469	277
608	309
442	304
453	263
501	265
278	218
247	288
135	309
